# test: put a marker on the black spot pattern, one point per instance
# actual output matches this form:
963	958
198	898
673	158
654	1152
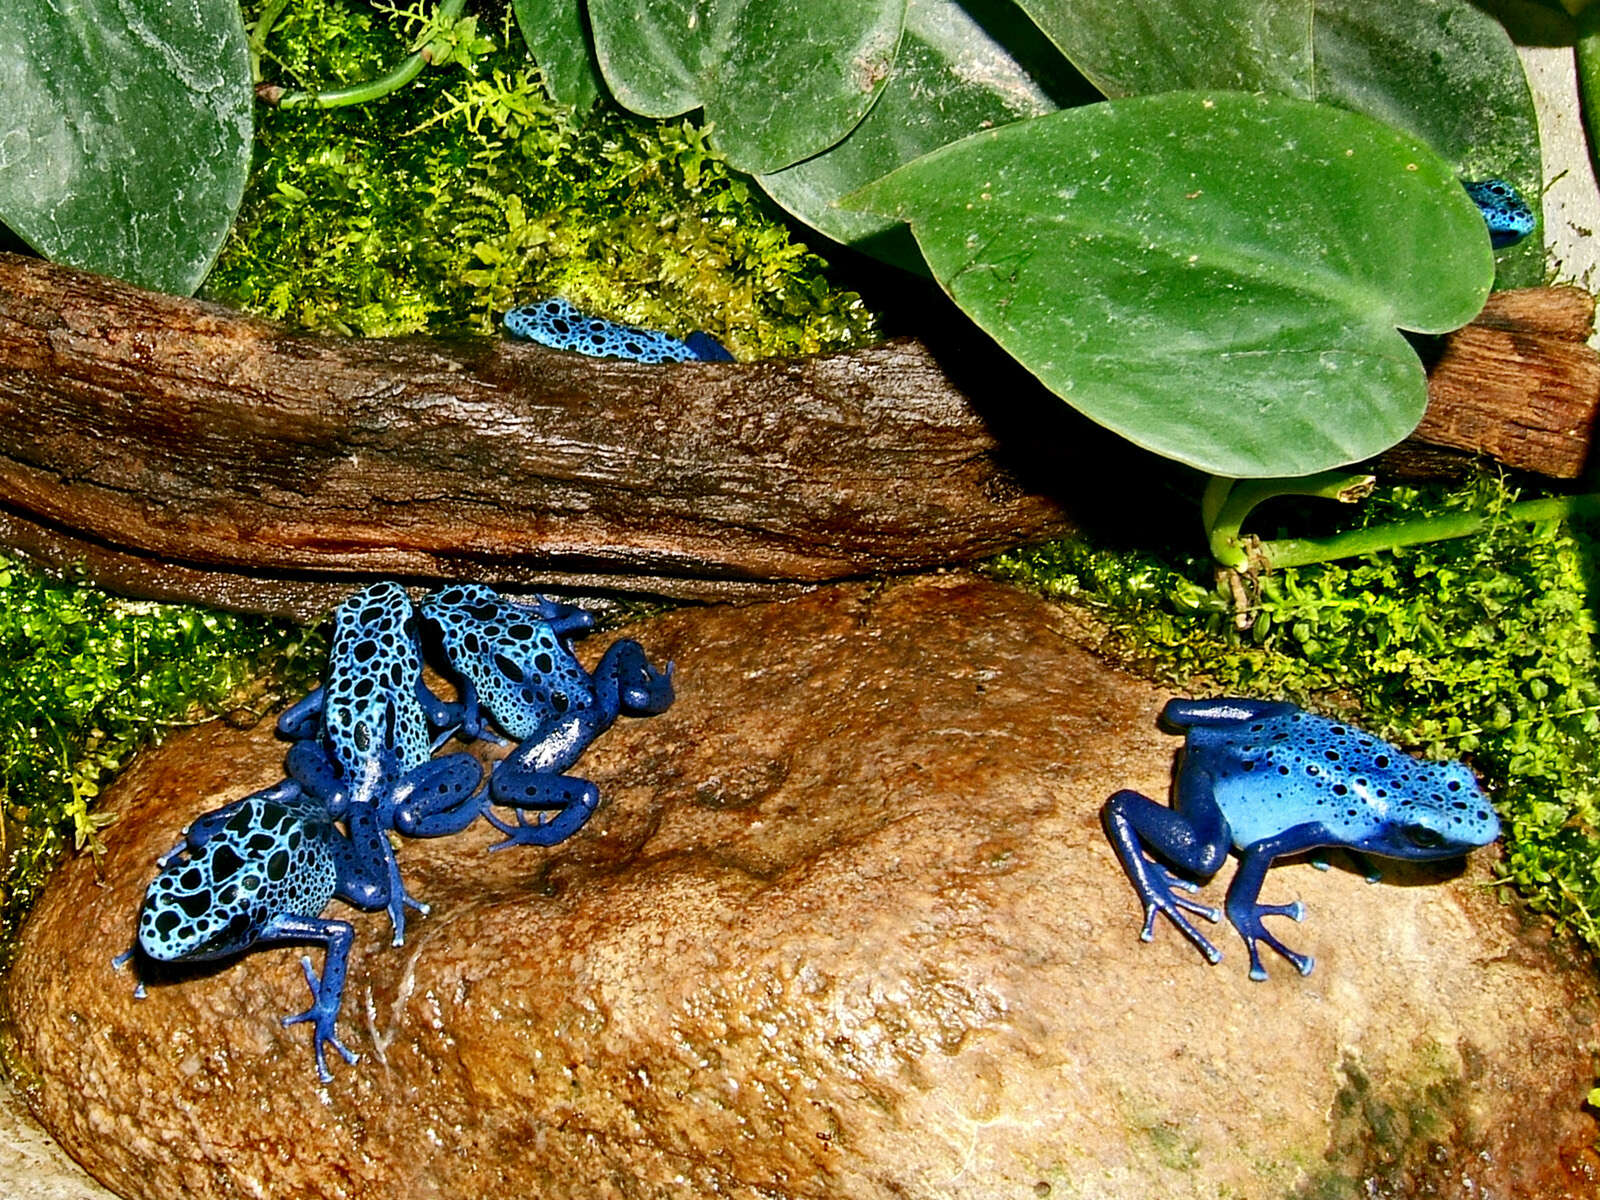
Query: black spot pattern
525	677
1359	787
216	900
557	324
374	667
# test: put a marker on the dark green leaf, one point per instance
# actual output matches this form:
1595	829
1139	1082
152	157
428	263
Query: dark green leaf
1132	48
1447	73
780	81
958	72
558	38
124	133
1442	70
1216	276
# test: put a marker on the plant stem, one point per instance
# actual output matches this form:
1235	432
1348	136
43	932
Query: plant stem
1228	502
360	93
1298	552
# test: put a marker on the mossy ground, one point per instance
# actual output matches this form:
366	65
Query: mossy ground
470	191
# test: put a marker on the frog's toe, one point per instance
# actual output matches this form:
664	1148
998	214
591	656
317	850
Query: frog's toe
1255	934
1172	908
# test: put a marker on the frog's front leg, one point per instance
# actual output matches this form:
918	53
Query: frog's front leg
327	993
1244	909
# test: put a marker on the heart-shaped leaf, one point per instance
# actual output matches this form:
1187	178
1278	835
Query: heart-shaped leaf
962	67
1442	70
780	81
125	133
1218	277
558	38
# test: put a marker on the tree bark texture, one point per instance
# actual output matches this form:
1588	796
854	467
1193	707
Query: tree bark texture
180	450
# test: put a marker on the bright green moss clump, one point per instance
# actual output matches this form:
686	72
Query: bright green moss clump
470	191
86	679
1482	648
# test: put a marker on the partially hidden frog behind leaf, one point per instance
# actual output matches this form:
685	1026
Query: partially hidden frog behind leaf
557	324
1267	779
1504	211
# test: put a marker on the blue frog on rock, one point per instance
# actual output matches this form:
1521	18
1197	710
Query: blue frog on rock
1267	779
363	765
514	661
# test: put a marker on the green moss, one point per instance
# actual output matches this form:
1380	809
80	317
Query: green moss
86	679
469	191
1399	1136
1482	648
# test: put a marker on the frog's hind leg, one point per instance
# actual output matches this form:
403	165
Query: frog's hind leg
572	799
439	798
327	992
1245	911
1131	821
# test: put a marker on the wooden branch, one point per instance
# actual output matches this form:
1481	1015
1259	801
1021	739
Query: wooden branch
1520	385
180	450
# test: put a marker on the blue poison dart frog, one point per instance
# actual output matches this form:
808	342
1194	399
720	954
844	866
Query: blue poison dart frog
1504	211
261	870
364	741
555	323
1267	779
514	662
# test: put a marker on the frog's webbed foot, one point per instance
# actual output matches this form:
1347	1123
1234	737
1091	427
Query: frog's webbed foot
123	960
324	1013
327	992
1248	922
1245	909
1159	898
1130	818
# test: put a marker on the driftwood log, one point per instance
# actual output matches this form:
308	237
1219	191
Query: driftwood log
179	450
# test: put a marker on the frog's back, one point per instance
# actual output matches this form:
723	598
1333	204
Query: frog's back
273	857
374	667
1298	768
524	674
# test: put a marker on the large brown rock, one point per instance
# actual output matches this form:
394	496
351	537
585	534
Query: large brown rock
844	926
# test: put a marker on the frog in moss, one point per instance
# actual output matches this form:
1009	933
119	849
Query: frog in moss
1267	779
557	324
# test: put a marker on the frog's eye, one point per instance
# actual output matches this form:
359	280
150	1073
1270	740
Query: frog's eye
1422	837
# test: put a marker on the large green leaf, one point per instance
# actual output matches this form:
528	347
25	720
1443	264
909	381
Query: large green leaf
781	81
1448	73
1218	277
124	133
963	67
558	38
1135	47
1442	70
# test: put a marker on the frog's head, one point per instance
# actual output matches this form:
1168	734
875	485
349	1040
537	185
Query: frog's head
1439	812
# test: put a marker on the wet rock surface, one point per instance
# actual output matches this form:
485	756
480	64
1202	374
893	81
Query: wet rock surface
845	925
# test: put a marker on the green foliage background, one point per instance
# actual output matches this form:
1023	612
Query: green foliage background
454	199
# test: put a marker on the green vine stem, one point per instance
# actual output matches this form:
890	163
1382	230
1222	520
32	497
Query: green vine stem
448	12
1227	502
1299	552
